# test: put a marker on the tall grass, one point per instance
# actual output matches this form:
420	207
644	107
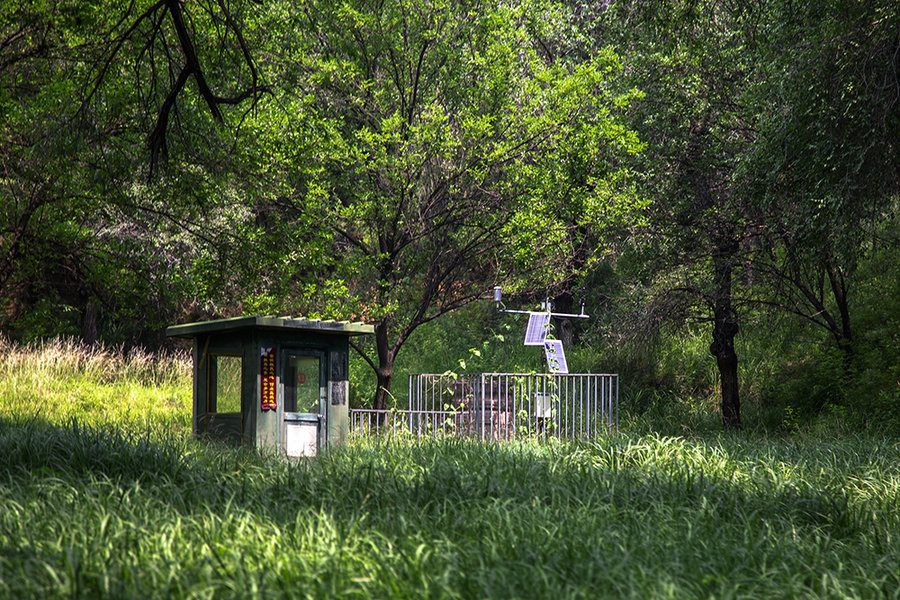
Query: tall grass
60	379
86	513
104	507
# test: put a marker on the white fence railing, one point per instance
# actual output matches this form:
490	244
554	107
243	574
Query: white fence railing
500	406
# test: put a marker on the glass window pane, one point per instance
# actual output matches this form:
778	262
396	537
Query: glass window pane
227	374
301	384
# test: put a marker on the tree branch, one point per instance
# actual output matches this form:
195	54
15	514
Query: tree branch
112	56
157	138
364	355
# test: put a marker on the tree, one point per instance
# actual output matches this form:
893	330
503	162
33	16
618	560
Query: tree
45	198
89	95
690	59
148	37
826	164
447	146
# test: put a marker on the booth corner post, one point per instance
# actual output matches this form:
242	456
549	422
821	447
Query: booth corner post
272	383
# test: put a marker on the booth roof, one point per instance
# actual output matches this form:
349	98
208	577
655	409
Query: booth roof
190	330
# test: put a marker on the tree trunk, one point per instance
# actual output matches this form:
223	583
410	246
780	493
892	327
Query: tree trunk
563	326
89	323
383	391
844	335
724	329
722	348
385	369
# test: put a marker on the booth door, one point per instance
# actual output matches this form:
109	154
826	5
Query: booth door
304	402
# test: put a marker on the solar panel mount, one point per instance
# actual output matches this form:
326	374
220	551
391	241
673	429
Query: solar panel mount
538	325
556	356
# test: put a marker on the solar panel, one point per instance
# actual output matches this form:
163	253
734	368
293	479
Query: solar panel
538	324
556	357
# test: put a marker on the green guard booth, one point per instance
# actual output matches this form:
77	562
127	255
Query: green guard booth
274	383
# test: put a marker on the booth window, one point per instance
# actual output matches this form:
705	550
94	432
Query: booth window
224	391
301	383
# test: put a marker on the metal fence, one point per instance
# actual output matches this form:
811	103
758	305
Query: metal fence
500	406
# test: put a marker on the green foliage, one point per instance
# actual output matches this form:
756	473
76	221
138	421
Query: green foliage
860	390
81	227
393	161
785	364
829	140
446	143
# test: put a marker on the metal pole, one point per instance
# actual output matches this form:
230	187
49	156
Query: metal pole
585	407
617	403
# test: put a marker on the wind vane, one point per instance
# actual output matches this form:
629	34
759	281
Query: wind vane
538	326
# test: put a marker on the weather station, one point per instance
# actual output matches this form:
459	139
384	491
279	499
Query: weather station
536	334
498	406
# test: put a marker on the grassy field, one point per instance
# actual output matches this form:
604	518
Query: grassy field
103	494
